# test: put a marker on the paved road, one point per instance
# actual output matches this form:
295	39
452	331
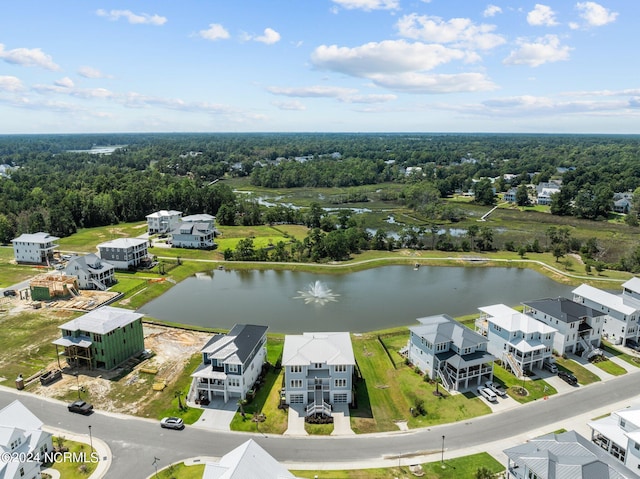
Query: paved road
135	442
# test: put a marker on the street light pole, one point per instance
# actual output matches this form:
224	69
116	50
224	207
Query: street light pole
78	384
90	439
442	455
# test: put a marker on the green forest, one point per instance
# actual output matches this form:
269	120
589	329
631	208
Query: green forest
49	184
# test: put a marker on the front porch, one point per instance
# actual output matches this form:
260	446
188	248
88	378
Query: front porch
208	384
462	372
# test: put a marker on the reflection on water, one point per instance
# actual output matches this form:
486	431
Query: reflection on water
368	300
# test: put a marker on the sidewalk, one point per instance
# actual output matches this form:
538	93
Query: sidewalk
101	447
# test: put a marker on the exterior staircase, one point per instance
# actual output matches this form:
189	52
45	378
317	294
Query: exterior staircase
98	284
513	364
318	406
444	377
588	347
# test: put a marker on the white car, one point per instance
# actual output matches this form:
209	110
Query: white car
488	394
172	423
496	388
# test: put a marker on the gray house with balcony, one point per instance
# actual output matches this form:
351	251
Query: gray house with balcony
443	348
579	327
318	370
231	363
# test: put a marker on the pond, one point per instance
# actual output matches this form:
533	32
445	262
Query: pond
378	298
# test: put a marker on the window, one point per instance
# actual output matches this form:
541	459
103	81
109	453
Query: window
296	383
296	369
341	368
232	368
318	365
341	383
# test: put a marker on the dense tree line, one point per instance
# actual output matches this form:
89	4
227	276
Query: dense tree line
52	189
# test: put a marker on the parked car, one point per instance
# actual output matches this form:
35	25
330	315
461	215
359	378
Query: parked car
10	292
80	407
172	423
487	393
568	377
549	366
496	388
633	344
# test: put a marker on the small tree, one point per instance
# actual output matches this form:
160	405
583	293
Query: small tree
483	473
241	403
179	394
522	251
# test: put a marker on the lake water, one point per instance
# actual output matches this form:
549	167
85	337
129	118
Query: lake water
365	301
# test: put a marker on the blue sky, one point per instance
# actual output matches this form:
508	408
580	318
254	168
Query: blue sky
560	66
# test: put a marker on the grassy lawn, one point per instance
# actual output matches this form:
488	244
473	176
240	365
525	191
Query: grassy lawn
634	360
26	342
85	240
266	402
69	469
583	375
610	367
180	471
166	402
385	394
318	429
459	468
11	273
536	387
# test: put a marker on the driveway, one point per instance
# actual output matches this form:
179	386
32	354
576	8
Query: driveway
296	421
217	416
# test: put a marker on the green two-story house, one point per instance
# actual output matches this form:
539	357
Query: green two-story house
102	338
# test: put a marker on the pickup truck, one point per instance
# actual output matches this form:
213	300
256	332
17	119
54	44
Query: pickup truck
496	388
80	407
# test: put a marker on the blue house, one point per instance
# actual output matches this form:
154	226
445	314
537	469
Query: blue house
443	348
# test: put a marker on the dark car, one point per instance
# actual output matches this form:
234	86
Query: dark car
80	407
172	423
568	377
10	292
630	343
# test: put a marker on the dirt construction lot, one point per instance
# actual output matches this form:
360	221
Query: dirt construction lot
27	334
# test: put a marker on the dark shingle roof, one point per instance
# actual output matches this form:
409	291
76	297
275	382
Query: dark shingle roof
563	309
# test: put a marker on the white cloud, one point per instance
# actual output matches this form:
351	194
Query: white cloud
543	50
312	91
368	99
30	57
89	72
542	15
133	18
625	92
269	37
491	11
294	105
595	14
65	82
10	83
368	5
460	32
413	82
390	56
214	32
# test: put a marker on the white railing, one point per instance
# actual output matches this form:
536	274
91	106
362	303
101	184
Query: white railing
445	380
586	345
322	408
100	286
515	367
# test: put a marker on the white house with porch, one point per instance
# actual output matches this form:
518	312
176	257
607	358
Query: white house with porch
91	271
125	253
579	327
443	348
163	221
318	370
21	435
619	435
193	235
231	363
37	248
519	340
622	311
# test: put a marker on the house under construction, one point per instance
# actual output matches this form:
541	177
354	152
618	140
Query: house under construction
48	286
